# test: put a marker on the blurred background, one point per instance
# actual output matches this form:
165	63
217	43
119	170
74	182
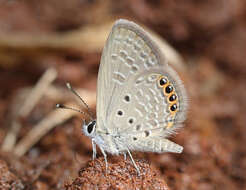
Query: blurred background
44	44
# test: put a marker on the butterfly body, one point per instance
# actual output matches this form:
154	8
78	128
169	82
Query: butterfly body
140	98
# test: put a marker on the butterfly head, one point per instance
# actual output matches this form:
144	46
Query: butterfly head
90	128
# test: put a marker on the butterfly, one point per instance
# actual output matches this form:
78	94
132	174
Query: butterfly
140	98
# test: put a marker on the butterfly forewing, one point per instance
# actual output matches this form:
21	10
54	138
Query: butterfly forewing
130	100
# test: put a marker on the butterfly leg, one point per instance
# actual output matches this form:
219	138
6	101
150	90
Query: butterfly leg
124	156
105	158
135	165
94	149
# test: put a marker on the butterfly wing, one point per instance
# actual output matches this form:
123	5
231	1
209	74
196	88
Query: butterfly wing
133	93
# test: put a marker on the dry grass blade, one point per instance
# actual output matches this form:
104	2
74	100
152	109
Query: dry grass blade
30	101
49	122
87	39
38	91
43	127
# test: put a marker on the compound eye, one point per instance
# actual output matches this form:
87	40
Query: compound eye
91	126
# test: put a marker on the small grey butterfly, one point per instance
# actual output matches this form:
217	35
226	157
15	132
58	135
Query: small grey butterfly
140	98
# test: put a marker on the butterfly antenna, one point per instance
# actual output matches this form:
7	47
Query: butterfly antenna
76	94
70	108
